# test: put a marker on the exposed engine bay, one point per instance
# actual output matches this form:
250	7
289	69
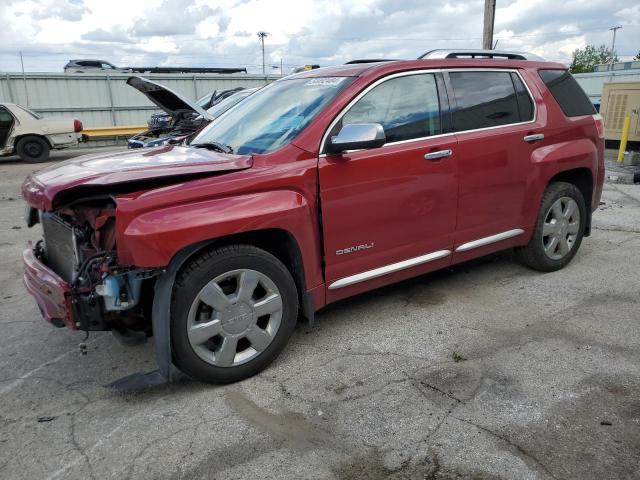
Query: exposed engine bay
79	245
183	124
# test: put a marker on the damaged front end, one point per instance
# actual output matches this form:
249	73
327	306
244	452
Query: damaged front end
75	276
82	273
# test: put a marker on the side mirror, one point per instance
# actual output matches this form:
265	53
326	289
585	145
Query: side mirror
357	136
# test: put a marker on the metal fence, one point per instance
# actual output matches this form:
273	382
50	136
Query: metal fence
101	100
593	82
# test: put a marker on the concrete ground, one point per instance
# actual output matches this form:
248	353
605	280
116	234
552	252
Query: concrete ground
620	172
486	370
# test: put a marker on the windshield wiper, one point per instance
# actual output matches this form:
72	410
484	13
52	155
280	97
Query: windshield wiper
217	146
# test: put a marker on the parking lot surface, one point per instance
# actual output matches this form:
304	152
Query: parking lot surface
486	370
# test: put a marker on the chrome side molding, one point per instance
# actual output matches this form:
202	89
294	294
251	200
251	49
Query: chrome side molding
481	242
387	269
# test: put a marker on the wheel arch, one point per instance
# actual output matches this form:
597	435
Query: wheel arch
582	178
161	304
17	138
278	242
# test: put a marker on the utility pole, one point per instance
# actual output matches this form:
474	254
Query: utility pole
261	36
613	46
489	15
24	80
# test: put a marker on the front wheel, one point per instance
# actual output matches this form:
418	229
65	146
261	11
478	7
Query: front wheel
559	229
233	311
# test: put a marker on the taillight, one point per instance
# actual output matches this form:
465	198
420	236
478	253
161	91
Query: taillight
77	126
599	125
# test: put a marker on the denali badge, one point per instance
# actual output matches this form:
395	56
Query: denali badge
357	248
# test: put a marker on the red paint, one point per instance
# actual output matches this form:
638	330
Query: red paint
106	169
389	197
52	294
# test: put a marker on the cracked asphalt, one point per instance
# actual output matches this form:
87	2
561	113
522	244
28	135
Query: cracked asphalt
546	386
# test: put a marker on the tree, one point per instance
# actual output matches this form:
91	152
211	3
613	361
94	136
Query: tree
588	57
637	57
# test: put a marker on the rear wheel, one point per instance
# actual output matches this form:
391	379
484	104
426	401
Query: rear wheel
559	229
33	149
233	311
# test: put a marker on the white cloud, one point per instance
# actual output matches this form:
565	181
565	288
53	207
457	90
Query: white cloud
223	32
71	11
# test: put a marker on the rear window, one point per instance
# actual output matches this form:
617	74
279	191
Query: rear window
486	99
26	110
564	88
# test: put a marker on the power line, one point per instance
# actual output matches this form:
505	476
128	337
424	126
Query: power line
368	39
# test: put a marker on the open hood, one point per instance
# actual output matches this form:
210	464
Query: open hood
166	99
144	168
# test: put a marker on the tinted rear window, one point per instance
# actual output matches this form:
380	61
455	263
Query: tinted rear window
564	88
483	99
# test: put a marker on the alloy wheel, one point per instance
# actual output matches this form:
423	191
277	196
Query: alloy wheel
561	227
234	318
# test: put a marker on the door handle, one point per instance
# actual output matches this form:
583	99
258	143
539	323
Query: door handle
438	155
534	137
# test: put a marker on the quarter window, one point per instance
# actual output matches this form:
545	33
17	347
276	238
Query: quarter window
525	104
564	88
407	107
485	99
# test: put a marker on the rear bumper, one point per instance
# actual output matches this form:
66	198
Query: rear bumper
52	293
64	140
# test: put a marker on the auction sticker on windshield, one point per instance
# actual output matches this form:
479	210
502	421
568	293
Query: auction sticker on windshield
326	81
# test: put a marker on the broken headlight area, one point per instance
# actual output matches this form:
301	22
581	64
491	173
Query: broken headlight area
79	246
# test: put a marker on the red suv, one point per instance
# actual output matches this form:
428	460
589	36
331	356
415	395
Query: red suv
324	184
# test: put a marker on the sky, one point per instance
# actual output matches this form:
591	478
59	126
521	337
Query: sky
223	33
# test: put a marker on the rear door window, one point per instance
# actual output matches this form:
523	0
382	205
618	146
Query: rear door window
484	99
564	88
407	107
6	121
5	117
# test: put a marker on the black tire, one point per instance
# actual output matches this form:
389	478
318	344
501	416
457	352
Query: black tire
533	255
33	149
198	273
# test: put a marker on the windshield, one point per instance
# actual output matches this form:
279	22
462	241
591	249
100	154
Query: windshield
272	117
219	108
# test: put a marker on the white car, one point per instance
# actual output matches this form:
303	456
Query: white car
31	137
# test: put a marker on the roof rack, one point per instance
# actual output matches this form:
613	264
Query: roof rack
369	60
477	53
